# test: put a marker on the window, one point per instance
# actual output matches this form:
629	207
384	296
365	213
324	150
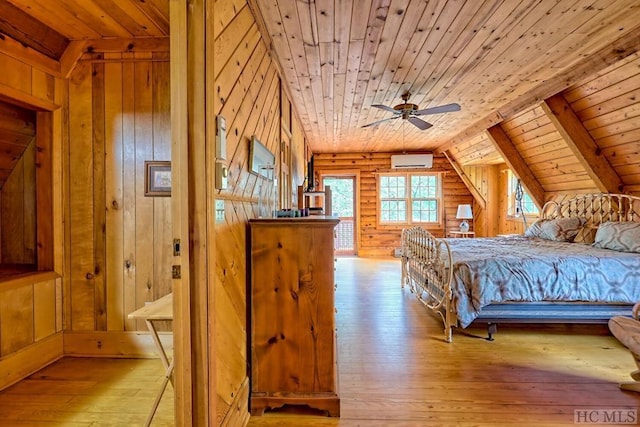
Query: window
526	205
410	198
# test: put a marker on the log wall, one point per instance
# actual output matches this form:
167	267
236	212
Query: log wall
381	241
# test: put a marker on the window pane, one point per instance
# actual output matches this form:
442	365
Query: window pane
393	211
527	204
423	186
424	211
384	187
392	187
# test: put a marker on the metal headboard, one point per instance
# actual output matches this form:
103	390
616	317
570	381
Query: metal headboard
595	208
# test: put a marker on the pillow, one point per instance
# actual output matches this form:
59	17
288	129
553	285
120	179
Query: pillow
559	230
619	236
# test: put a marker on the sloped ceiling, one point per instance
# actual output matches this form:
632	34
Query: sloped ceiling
81	20
494	58
54	34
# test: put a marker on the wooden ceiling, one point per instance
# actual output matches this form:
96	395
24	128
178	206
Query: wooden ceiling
54	33
48	26
495	58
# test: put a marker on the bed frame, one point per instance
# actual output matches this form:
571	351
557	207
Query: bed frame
426	262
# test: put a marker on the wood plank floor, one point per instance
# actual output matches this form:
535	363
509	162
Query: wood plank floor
88	392
395	370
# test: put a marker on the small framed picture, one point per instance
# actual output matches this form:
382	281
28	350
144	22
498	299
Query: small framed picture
157	178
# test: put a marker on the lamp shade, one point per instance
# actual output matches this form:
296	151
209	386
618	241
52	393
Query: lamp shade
464	212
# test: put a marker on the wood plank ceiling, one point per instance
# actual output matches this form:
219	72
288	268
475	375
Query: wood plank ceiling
495	58
54	34
42	24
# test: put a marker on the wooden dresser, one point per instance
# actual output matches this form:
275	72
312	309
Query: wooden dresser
291	314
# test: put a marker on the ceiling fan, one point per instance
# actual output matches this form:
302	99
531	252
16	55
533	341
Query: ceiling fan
409	112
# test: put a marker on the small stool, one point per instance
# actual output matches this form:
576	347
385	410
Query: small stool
627	331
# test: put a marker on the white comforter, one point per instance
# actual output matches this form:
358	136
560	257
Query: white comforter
489	270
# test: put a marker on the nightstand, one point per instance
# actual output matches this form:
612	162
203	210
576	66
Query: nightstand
462	234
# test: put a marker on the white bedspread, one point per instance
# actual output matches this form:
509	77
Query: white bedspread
488	270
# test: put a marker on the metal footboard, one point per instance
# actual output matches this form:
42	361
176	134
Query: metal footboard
426	270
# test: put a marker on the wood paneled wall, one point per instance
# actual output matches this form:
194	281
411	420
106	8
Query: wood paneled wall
31	309
120	244
17	131
250	97
17	211
487	214
374	240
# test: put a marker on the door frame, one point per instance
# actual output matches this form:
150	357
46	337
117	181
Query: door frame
178	17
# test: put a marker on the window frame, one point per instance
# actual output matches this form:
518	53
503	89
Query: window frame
408	199
511	200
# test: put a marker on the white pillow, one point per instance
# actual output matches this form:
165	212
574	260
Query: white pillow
618	236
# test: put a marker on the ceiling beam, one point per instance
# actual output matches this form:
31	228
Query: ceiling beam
141	44
465	179
71	56
613	52
17	50
516	163
28	31
583	146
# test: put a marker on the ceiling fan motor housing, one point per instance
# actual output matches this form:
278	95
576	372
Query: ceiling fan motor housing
406	109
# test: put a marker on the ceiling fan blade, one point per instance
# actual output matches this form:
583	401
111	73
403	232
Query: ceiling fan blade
447	108
386	108
419	123
380	121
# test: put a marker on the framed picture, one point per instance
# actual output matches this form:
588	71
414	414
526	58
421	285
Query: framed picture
157	178
261	160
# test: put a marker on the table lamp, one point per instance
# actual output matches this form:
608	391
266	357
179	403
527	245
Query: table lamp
464	213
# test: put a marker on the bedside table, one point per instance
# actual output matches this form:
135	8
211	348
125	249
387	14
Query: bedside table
462	233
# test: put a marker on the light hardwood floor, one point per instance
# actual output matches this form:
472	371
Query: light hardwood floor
395	370
88	392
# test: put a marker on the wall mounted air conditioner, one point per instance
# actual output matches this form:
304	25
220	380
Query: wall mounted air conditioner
409	161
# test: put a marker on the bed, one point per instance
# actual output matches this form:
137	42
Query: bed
578	264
